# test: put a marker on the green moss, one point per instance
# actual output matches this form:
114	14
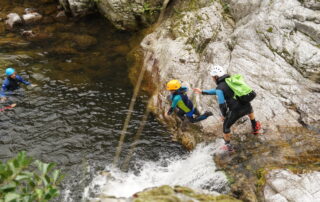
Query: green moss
270	29
225	6
163	190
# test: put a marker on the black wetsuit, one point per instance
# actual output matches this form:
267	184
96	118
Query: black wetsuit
233	110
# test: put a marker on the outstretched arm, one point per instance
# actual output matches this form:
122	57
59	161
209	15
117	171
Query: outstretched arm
19	78
220	97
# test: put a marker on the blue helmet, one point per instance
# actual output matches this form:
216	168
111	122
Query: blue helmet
9	71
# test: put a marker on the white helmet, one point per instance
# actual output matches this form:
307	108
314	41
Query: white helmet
217	70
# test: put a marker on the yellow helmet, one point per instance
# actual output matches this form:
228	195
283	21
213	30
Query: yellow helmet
173	85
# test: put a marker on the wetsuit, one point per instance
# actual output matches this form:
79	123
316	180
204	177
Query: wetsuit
9	85
185	107
231	109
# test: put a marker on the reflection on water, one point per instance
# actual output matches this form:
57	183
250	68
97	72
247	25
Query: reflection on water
75	115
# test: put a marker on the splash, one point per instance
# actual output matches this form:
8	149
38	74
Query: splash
195	170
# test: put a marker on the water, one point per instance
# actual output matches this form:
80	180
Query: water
195	170
75	114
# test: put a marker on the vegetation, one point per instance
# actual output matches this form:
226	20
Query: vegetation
22	179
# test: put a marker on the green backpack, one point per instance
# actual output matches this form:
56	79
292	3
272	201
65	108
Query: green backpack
242	91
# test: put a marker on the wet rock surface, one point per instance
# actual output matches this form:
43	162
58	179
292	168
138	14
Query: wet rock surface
296	149
275	47
283	186
178	193
125	15
278	57
13	19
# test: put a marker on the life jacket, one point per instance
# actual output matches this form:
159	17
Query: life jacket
186	104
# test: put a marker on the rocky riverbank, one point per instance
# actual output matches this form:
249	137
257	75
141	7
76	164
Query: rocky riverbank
275	44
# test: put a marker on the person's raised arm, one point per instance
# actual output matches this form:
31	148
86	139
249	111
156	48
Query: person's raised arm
19	78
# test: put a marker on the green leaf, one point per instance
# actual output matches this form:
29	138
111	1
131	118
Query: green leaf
11	197
22	177
8	187
39	193
51	193
46	180
55	176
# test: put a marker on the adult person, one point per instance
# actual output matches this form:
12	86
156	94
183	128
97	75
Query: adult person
11	83
180	100
231	108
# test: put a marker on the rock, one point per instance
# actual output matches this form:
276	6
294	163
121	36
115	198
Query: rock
78	7
32	17
284	186
125	15
166	193
30	10
61	16
312	4
13	19
130	14
276	55
35	36
82	41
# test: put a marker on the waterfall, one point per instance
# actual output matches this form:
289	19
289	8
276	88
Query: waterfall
196	170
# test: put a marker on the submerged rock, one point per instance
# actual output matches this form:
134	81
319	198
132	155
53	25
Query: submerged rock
32	17
13	19
284	186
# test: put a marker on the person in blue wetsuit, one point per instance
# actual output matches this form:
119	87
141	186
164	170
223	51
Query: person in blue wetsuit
181	102
11	83
231	108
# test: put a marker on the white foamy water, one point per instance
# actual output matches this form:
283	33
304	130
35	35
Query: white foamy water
196	170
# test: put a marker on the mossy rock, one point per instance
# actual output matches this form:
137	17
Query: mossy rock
159	191
178	193
158	199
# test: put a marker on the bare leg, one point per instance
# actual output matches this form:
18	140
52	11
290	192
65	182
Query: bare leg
251	116
227	137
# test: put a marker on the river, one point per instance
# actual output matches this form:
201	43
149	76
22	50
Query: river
75	115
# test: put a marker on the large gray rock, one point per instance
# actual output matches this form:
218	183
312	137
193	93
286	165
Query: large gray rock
78	7
130	14
284	186
13	19
273	43
124	14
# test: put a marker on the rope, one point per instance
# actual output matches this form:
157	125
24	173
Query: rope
132	103
127	120
136	138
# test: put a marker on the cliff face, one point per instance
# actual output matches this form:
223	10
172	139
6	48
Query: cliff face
125	14
274	44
